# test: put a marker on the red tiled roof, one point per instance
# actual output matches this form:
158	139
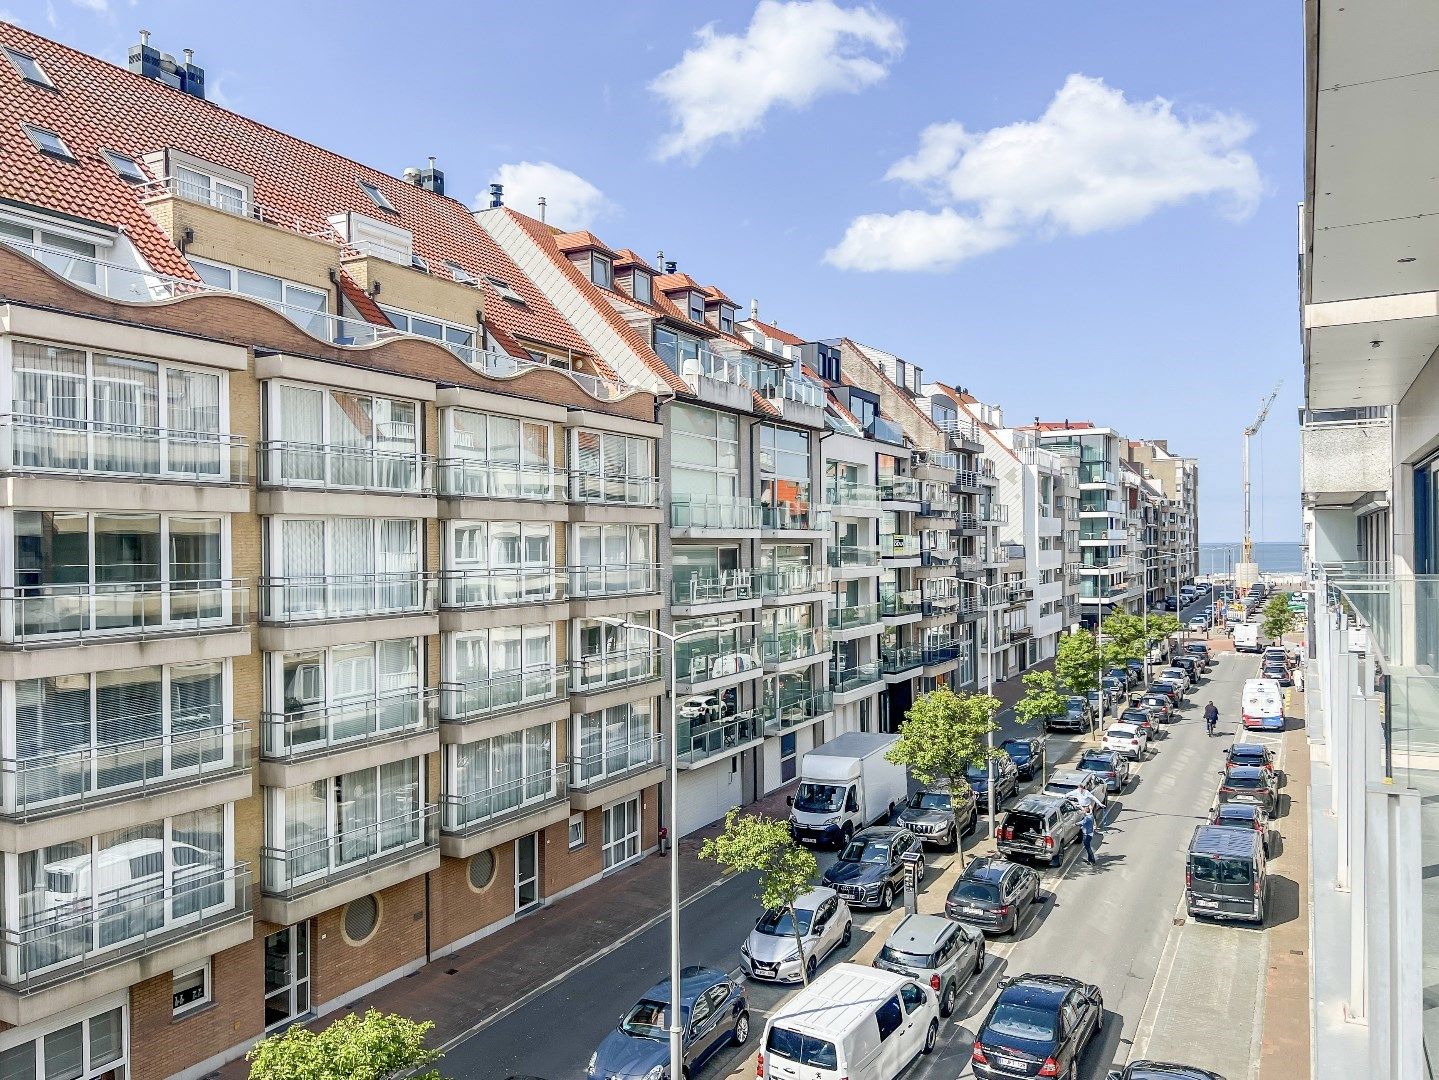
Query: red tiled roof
361	301
776	333
96	104
714	293
578	241
675	282
628	257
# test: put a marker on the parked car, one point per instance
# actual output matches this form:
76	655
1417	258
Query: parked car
1109	765
1039	1025
930	814
1171	604
1176	682
718	1012
1160	706
1170	691
1006	779
932	949
991	894
1242	783
1027	755
1141	718
870	871
1242	815
1068	783
1201	650
1179	675
1279	672
1191	666
1256	755
771	952
1127	740
1103	700
1161	1070
1038	827
1078	716
1279	653
1123	674
1199	623
1226	874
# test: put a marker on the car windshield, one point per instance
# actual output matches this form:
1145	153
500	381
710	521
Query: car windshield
977	772
647	1020
975	890
1221	871
1018	751
777	923
1242	783
820	798
1134	716
1094	764
872	851
1234	814
906	959
930	800
1021	1022
1074	706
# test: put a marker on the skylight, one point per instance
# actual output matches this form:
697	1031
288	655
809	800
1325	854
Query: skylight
504	289
47	142
29	68
419	263
459	273
126	168
377	197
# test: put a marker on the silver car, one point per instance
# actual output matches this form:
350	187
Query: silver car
934	950
771	954
1069	783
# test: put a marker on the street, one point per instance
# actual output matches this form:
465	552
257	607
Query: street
1106	924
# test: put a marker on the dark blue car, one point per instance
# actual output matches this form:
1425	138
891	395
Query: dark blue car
714	1011
1026	754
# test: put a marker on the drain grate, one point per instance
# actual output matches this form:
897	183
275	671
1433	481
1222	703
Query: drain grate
452	971
1179	922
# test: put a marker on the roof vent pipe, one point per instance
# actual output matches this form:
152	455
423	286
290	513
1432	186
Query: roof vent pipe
543	204
497	195
189	56
671	266
754	308
660	259
144	37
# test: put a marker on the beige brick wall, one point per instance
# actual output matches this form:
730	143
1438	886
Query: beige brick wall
413	290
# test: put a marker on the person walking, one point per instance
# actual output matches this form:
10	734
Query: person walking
1086	829
1211	718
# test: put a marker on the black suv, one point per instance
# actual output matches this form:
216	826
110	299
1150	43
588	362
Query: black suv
1026	755
1039	1025
991	895
1002	770
870	869
1039	827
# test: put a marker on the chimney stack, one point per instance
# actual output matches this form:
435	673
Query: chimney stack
754	308
543	204
431	179
497	195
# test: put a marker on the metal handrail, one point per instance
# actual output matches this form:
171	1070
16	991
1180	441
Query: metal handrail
791	581
613	489
325	597
476	810
711	738
853	555
620	579
852	678
304	731
299	868
35	614
84	448
590	771
899	604
606	670
480	587
289	464
730	585
899	489
795	517
839	493
785	645
847	618
900	659
471	699
713	512
787	710
480	478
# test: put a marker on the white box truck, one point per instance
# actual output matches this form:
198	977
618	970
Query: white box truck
845	785
1246	637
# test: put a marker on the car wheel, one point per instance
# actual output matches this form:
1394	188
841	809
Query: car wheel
848	933
741	1029
810	968
946	1003
886	897
973	822
931	1036
919	871
979	960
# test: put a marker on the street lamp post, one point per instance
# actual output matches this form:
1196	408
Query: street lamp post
676	1032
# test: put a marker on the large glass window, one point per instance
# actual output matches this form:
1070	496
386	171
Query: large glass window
499	457
710	656
607	655
612	559
341	567
201	187
621	835
68	256
704	453
613	468
93	1048
321	697
499	562
494	776
498	668
704	573
333	438
612	741
303	306
460	339
784	474
674	349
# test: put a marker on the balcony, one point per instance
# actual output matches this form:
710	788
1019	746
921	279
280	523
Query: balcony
784	584
1342	458
786	649
305	732
77	938
1021	633
843	556
701	739
475	478
905	606
1014	597
853	617
968	522
940	606
1108	507
899	489
970	564
711	515
778	385
48	781
481	588
939	556
486	809
994	513
704	663
937	653
1093	473
900	546
963	433
35	615
944	460
966	480
732	587
511	692
360	469
615	772
903	661
596	582
604	489
788	711
794	518
844	497
606	671
851	683
86	449
323	598
939	506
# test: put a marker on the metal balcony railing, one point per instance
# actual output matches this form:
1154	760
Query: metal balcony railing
89	449
319	861
854	615
961	429
476	698
970	564
791	581
794	517
900	604
713	512
939	459
894	661
849	679
620	579
39	614
798	644
940	556
790	709
737	370
605	671
345	596
853	555
479	588
700	738
840	495
730	585
474	478
613	489
306	731
993	513
43	780
589	771
965	479
899	489
464	814
350	468
774	383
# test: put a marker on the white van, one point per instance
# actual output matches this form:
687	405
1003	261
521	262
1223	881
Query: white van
852	1022
1262	705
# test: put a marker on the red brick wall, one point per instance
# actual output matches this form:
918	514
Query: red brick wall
457	910
339	967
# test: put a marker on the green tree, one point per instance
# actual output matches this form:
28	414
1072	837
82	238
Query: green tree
1077	663
374	1046
1124	639
1043	698
1276	619
943	734
1161	625
755	844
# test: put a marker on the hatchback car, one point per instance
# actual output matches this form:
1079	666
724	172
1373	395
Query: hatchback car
1142	718
1201	650
1242	783
931	949
1068	783
1038	1026
1005	774
1128	740
1253	754
1175	687
1109	765
870	869
992	894
1191	665
930	814
1280	673
1039	827
1242	815
1179	675
1162	704
772	953
1027	755
1123	674
1199	622
714	1011
1277	653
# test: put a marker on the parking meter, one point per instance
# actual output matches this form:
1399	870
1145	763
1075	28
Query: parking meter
911	860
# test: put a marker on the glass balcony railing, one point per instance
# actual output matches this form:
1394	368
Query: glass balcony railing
1093	472
730	585
305	731
789	709
941	605
776	383
849	679
345	596
474	811
791	581
934	505
884	430
314	863
900	546
853	555
86	448
701	737
705	657
855	496
613	489
797	644
899	489
313	465
606	670
900	604
851	616
476	698
621	579
66	935
473	478
895	660
479	588
36	614
713	512
993	513
589	771
794	517
43	780
971	564
939	459
940	652
940	556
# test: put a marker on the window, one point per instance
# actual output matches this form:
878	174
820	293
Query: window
452	335
675	349
494	776
94	1048
705	453
577	831
125	167
189	989
324	697
621	833
642	284
69	256
31	71
198	186
913	996
377	196
612	560
784	476
697	307
612	741
505	290
601	270
305	307
459	273
499	668
287	975
419	263
613	468
726	319
889	1017
47	142
326	568
333	438
498	457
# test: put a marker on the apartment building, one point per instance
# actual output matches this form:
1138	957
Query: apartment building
318	517
1369	440
1171	515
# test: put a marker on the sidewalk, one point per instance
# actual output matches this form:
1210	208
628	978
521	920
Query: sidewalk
472	988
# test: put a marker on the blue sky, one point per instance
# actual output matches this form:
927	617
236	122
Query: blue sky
1061	243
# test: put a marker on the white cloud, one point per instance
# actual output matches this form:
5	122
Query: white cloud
792	52
99	7
1092	161
571	201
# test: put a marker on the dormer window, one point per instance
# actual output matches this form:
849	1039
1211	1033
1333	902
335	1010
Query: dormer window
506	291
642	285
419	263
47	142
29	68
697	307
377	196
459	273
602	270
726	319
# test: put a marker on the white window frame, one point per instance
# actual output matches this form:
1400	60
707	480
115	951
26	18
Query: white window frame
288	308
277	560
530	772
614	848
205	187
34	1035
275	431
577	831
206	974
331	695
29	68
450	333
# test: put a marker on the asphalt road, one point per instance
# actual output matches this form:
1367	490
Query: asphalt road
1106	924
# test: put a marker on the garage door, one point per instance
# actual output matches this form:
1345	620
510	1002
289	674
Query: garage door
707	794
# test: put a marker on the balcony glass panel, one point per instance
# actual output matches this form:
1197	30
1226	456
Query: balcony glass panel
500	588
728	585
703	737
613	743
472	699
788	704
496	778
843	493
850	616
853	555
713	512
792	644
612	580
899	488
852	678
345	596
597	672
711	656
791	580
895	605
900	658
291	464
303	731
794	517
466	478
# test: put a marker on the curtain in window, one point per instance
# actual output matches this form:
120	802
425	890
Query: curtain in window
399	678
537	661
301	428
307	840
55	904
506	771
617	726
52	738
590	743
535	477
302	548
539	781
352	682
396	443
197	857
352	554
356	806
125	406
49	405
192	415
128	726
505	458
398	562
197	714
399	803
351	438
588	465
131	902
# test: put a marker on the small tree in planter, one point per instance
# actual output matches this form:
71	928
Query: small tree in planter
755	844
373	1046
1077	663
1277	619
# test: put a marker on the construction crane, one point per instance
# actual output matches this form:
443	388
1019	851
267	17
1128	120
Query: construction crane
1249	433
